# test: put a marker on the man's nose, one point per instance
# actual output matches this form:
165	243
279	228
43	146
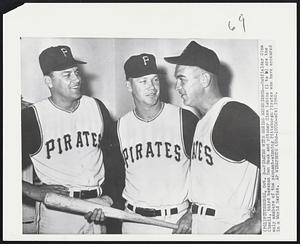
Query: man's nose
151	85
75	77
178	86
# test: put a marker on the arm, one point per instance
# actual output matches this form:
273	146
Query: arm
113	160
114	167
185	223
236	135
31	141
249	226
189	122
38	192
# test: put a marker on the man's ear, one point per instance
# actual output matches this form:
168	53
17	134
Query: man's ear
128	85
48	81
205	79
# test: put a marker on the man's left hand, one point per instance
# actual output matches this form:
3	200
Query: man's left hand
97	215
184	224
249	226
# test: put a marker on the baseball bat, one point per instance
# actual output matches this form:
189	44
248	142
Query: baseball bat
83	206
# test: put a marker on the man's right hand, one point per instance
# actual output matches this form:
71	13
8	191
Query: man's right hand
38	192
58	189
184	224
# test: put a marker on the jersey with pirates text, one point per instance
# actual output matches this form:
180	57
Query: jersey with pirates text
225	157
65	147
156	156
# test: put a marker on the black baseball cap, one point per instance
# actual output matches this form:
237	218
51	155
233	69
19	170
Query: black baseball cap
57	58
196	55
140	65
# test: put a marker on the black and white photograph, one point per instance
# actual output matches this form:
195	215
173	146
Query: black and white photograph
148	135
199	171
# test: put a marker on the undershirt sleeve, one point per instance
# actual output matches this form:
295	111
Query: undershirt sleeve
236	133
189	122
113	162
31	136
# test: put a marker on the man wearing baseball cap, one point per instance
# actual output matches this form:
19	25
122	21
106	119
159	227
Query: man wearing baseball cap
225	155
65	136
155	141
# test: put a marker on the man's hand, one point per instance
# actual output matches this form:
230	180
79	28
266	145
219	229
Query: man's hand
38	192
249	226
58	189
97	215
184	224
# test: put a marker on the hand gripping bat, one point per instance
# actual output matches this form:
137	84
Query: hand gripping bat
66	203
70	204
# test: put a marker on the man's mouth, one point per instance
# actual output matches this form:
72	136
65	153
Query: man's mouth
151	94
75	87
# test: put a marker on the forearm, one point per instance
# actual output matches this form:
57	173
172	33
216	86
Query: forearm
257	213
32	191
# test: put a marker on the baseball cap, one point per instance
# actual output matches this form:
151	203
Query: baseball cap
57	58
196	55
140	65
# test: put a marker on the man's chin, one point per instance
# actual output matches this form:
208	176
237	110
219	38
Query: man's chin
186	102
77	97
153	100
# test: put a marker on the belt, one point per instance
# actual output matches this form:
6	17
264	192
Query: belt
200	210
152	212
84	194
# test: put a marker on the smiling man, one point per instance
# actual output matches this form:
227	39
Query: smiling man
66	137
155	140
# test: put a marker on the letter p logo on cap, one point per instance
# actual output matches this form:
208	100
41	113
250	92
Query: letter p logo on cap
146	59
64	51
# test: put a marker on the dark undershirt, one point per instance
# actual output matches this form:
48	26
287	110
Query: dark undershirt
189	121
236	133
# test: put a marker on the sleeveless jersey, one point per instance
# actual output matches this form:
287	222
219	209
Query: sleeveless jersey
70	152
215	179
156	163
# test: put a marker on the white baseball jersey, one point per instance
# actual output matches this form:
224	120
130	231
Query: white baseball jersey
69	152
66	149
157	166
218	181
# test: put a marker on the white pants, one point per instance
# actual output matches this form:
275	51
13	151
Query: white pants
220	223
50	221
137	228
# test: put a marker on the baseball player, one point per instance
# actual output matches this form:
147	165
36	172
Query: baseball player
225	155
155	140
65	137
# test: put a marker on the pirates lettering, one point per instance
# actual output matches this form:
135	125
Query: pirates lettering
157	149
202	152
66	142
